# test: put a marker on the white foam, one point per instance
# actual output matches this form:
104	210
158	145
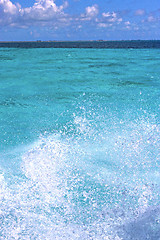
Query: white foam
67	177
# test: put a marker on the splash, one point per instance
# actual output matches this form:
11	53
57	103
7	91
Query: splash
82	183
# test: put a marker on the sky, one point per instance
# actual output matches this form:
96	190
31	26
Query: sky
30	20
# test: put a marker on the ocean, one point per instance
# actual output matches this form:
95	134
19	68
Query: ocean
80	143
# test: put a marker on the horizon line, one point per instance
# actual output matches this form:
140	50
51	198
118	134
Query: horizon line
98	40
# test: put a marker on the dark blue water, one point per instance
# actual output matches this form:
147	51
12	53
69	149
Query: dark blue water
138	44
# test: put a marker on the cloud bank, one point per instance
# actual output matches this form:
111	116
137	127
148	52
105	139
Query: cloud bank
42	12
46	14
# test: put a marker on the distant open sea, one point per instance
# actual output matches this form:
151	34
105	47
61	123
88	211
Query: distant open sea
83	44
80	140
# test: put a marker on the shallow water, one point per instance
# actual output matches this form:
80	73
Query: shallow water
80	144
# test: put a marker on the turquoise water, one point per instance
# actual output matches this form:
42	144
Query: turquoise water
80	144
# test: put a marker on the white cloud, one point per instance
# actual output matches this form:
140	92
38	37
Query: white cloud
151	19
114	15
8	7
90	12
119	20
106	14
102	25
109	20
42	11
8	12
128	27
46	13
111	17
127	23
139	12
136	28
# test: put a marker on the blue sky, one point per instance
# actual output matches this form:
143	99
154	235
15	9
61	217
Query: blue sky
79	19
